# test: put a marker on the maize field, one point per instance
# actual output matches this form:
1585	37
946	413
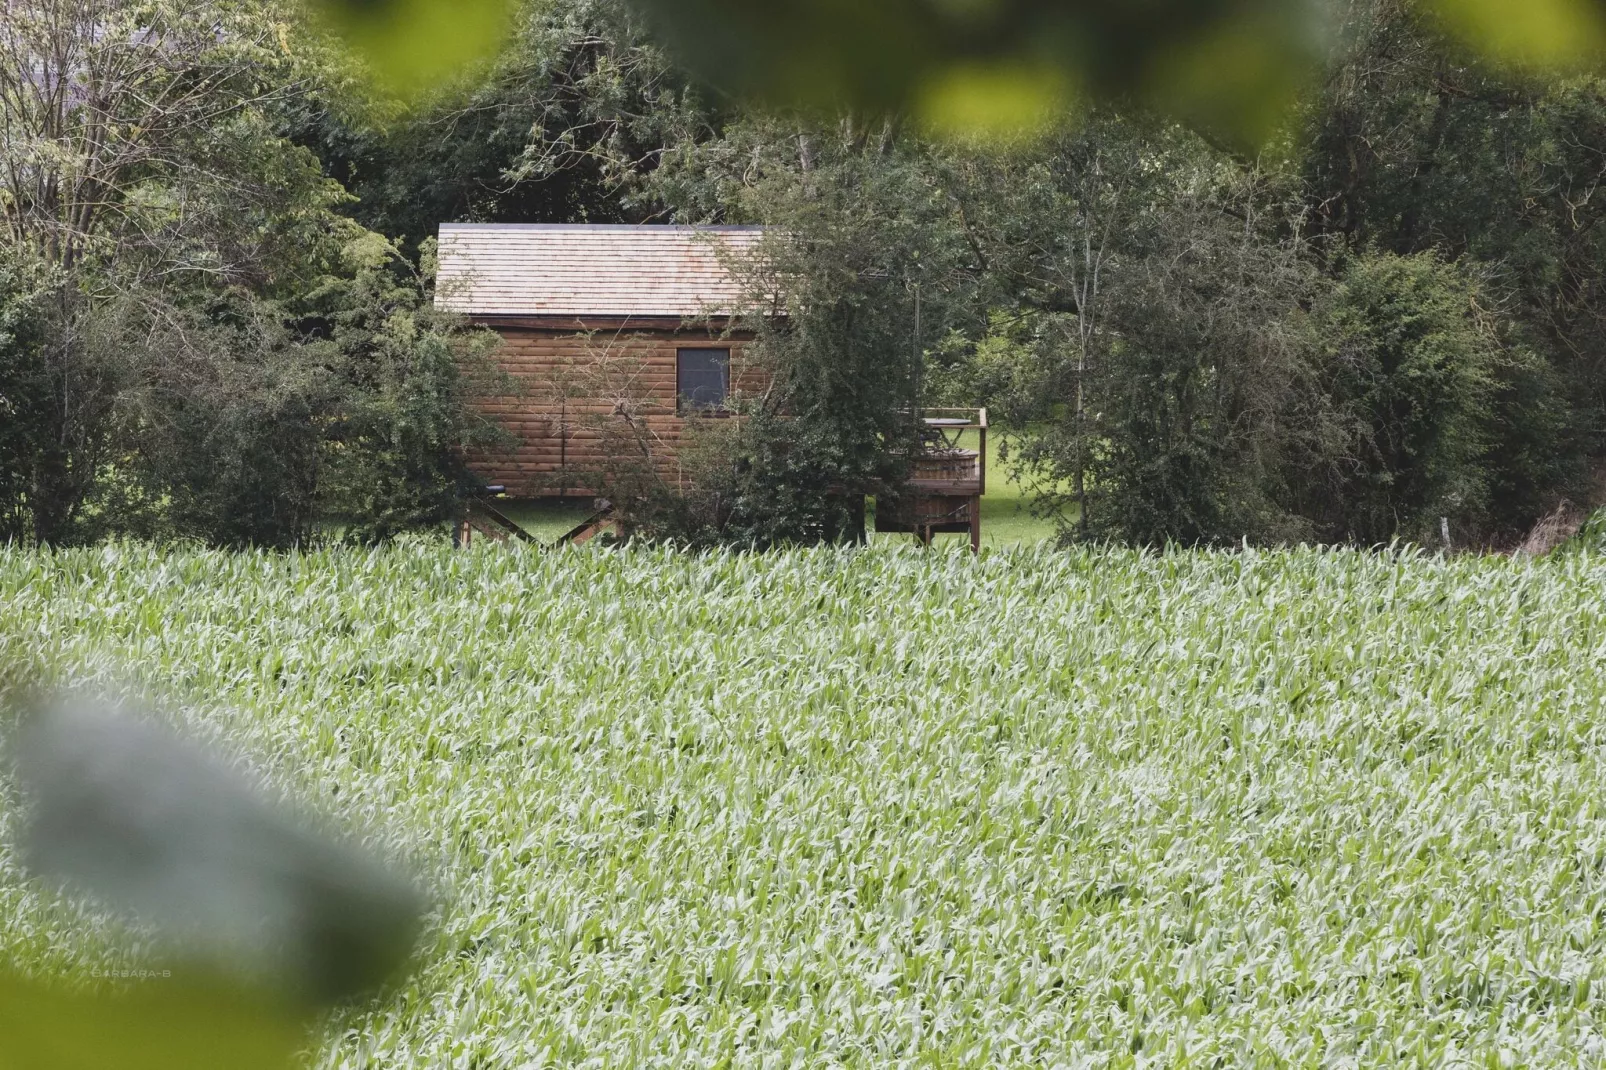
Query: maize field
885	807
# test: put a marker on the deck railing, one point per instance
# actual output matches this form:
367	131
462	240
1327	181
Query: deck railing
951	457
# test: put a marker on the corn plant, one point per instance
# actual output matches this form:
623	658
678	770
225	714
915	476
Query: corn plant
887	807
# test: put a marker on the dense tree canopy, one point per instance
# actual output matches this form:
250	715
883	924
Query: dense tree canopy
196	334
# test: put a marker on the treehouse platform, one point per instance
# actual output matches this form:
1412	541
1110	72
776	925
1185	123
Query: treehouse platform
947	478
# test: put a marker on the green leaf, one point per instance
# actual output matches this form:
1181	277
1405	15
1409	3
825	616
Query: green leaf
1529	34
157	828
160	1024
414	45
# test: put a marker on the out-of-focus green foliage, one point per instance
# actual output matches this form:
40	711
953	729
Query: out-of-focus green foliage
1534	35
151	825
998	65
415	45
1234	66
250	919
162	1023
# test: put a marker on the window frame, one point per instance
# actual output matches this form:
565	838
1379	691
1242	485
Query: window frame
684	406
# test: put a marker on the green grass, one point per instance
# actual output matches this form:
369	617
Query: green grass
1005	516
892	807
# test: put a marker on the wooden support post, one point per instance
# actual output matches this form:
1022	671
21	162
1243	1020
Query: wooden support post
975	524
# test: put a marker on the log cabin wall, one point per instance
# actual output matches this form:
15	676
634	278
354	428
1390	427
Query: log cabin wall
591	393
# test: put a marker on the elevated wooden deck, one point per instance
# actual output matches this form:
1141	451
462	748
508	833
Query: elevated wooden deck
942	493
947	478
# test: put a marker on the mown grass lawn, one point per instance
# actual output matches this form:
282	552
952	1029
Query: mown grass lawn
889	807
1006	517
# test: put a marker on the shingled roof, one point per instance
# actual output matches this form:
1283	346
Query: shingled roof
600	271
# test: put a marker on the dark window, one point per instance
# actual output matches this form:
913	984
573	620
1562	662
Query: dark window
704	378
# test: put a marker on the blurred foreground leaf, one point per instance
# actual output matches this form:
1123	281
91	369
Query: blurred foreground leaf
990	66
153	826
1529	34
158	1025
413	45
979	66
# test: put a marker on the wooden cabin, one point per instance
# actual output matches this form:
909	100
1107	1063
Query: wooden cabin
614	337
